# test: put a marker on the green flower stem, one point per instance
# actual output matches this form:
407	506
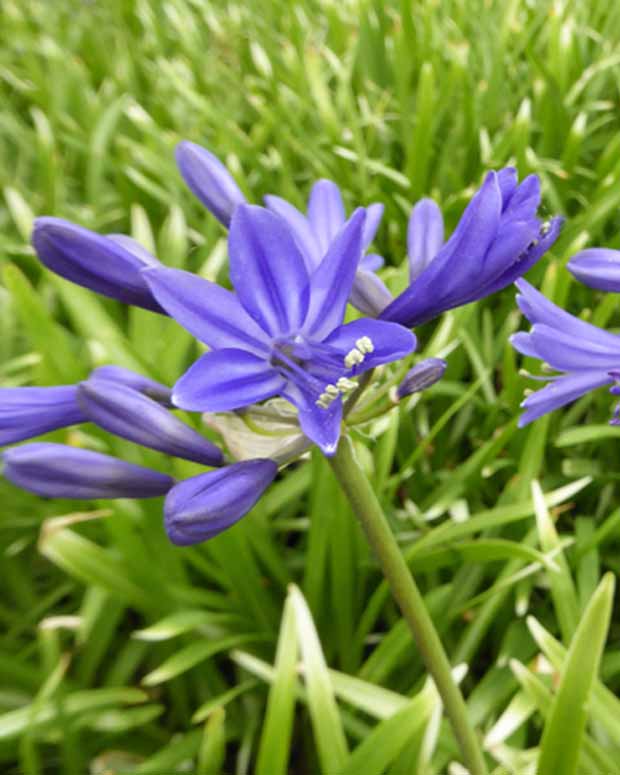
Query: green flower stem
406	593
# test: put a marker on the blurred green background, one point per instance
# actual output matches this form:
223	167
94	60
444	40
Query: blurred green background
120	653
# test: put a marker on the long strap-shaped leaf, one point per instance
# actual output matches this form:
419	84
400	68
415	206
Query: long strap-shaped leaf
564	731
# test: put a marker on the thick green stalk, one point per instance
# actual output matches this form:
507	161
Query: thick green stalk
406	593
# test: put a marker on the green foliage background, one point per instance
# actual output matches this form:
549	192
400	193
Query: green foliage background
120	653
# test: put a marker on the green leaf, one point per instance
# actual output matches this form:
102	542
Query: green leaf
563	734
326	721
52	342
275	743
562	588
190	656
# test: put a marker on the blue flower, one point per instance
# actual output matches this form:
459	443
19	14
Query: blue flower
498	238
313	231
587	356
598	268
281	332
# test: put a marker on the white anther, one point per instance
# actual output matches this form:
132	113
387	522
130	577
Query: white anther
364	345
344	384
353	357
332	390
321	404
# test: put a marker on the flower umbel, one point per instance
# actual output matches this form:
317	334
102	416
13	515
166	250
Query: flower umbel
589	357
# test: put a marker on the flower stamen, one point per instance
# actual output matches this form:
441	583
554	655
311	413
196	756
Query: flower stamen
355	356
332	392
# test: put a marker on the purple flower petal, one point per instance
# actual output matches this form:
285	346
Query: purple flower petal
424	236
513	240
561	391
331	282
374	213
300	228
390	341
135	248
93	261
209	180
507	180
201	507
524	262
597	268
458	265
369	294
131	415
566	353
538	309
30	411
522	342
325	212
123	376
226	379
525	200
58	471
371	262
209	312
321	426
268	270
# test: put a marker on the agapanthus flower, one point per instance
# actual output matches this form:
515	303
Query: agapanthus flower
135	408
281	332
586	356
498	238
314	231
598	268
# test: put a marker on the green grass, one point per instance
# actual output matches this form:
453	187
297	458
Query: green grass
276	648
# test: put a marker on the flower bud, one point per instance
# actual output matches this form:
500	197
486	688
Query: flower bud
201	507
59	471
132	415
132	379
421	376
209	180
26	412
597	268
108	265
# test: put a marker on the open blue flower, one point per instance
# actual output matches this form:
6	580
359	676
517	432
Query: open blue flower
281	332
313	231
587	356
498	239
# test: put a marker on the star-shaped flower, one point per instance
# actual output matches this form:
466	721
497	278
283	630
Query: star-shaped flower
281	331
